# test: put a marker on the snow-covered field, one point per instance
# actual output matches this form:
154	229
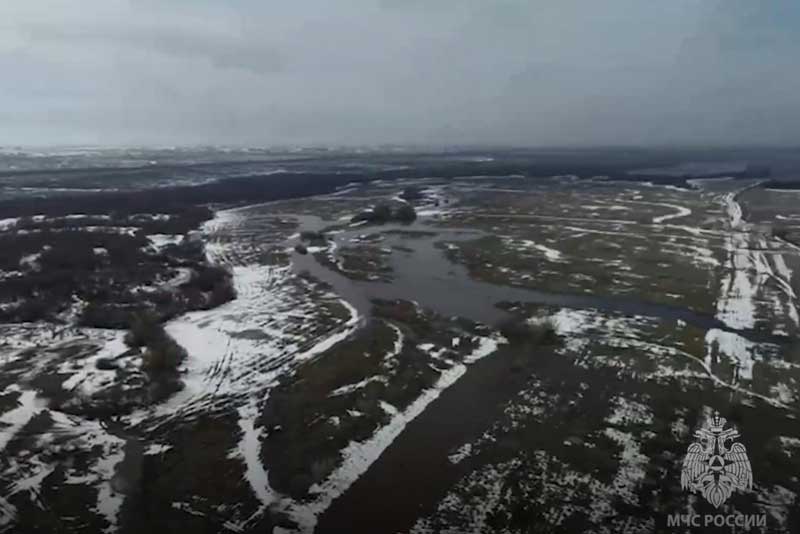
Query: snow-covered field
235	352
718	316
358	456
642	380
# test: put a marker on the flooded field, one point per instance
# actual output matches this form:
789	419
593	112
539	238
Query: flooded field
365	379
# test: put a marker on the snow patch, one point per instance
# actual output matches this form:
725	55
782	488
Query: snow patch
358	456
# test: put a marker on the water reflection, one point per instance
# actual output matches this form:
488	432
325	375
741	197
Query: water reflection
422	273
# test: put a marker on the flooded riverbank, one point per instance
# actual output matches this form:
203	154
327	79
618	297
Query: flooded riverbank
421	272
360	382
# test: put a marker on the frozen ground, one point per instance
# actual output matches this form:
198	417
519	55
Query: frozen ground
688	305
589	444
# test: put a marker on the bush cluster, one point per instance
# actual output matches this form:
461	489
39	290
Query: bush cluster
314	238
521	331
383	213
162	354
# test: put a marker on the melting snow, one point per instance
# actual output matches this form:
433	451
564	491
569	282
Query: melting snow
17	418
249	450
358	456
680	211
349	388
461	453
733	346
163	240
7	224
549	253
88	379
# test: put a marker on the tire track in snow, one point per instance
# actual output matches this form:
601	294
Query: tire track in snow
743	286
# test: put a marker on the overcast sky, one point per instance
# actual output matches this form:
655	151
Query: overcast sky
523	72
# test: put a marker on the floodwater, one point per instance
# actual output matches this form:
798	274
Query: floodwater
426	276
413	475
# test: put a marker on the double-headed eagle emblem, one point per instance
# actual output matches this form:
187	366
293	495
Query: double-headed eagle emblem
716	465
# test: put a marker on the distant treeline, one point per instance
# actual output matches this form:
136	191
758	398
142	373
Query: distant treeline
179	199
781	184
257	181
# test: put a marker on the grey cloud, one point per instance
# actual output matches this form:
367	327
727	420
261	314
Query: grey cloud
501	71
220	50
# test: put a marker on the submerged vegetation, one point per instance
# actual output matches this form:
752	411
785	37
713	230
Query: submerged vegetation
519	331
161	352
161	355
385	213
316	239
